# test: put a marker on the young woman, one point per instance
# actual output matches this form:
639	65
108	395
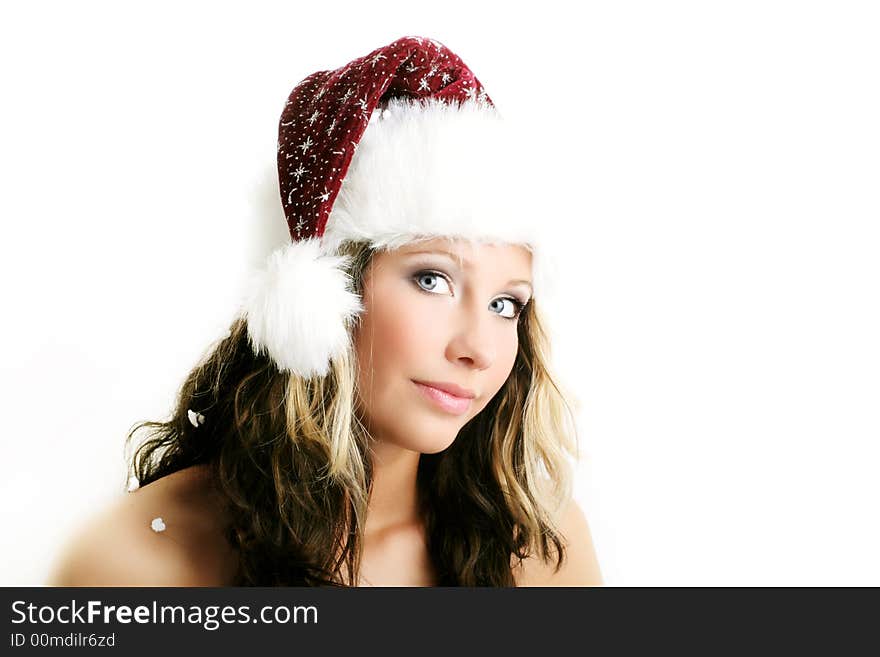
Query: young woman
382	412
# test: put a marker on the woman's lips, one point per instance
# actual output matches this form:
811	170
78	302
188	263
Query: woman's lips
444	400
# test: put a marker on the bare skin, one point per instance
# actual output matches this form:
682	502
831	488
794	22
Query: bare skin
119	548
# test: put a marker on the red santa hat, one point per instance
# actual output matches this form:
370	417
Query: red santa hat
400	145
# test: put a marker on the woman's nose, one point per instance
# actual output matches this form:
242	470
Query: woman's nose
473	343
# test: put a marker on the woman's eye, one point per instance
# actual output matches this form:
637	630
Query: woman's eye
433	281
514	306
437	283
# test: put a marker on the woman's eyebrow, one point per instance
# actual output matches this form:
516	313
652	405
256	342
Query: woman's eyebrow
466	263
452	256
521	281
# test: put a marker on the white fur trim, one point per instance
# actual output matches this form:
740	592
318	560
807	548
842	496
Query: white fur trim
428	169
299	308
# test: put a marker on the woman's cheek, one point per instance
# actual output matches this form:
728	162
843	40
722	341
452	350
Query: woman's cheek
420	315
507	346
396	324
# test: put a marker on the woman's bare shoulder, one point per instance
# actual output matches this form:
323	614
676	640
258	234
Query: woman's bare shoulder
580	567
168	533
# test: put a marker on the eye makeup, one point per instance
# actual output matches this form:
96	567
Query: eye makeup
423	269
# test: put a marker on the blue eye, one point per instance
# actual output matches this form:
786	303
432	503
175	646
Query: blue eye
516	304
434	276
435	280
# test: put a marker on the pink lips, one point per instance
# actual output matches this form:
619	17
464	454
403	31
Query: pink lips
446	401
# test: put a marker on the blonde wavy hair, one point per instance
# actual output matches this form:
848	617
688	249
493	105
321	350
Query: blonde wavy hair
291	459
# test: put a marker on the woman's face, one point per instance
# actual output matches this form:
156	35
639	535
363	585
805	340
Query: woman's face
437	312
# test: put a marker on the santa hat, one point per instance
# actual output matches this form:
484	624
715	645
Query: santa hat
400	145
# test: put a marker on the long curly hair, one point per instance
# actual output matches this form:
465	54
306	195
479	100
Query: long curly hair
290	458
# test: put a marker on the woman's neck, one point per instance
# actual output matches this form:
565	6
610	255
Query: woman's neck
394	496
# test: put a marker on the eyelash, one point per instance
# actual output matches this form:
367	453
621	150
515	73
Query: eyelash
516	302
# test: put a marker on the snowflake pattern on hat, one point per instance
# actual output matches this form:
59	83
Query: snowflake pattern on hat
327	113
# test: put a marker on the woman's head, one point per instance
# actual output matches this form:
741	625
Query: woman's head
380	153
442	312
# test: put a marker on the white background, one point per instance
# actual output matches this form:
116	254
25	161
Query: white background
716	167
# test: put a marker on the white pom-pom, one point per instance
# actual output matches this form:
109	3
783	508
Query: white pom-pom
158	525
298	308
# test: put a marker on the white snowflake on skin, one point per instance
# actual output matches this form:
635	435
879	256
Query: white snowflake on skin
158	525
306	144
314	117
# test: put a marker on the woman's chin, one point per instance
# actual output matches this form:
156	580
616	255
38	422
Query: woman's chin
438	447
427	444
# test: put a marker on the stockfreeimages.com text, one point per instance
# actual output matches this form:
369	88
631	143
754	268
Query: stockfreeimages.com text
210	617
